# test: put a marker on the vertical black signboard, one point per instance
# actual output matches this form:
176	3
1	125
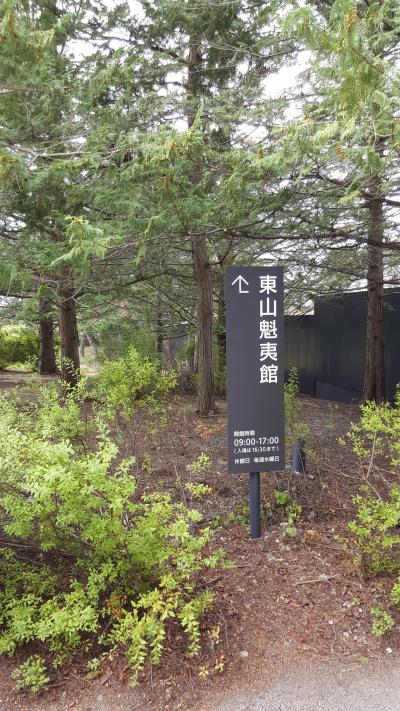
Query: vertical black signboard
255	369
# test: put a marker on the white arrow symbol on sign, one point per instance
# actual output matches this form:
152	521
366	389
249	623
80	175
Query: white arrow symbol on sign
241	281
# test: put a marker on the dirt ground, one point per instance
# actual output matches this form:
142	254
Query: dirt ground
286	602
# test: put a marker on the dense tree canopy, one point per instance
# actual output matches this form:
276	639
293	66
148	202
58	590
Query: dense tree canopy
142	150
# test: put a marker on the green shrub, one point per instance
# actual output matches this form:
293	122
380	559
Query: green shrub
31	674
127	381
293	510
60	418
374	534
382	621
198	491
375	538
108	564
378	432
18	344
201	464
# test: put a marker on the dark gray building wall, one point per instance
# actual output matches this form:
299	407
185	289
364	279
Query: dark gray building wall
392	354
300	350
328	349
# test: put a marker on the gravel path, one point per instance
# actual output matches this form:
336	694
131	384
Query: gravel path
369	688
375	686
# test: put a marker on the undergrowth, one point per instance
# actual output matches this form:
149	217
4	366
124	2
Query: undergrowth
374	534
108	568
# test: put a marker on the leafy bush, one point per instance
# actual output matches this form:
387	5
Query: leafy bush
201	464
374	538
125	382
293	510
31	674
198	491
18	345
382	622
60	418
107	563
378	431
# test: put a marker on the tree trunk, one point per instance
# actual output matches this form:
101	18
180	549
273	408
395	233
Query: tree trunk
69	340
201	262
374	374
202	275
47	358
221	343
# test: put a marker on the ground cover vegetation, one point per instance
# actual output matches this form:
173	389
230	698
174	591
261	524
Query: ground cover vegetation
103	513
19	346
110	567
373	540
90	562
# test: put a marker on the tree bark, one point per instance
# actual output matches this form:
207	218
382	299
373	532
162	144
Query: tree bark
221	342
374	373
69	340
201	262
47	358
202	275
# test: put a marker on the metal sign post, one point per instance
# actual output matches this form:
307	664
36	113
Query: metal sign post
255	376
255	522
